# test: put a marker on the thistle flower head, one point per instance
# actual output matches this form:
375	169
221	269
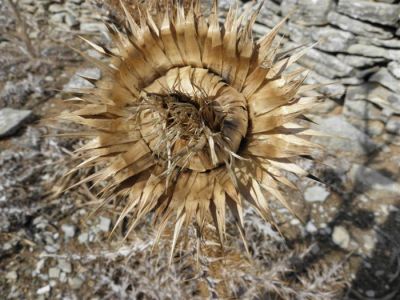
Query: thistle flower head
192	117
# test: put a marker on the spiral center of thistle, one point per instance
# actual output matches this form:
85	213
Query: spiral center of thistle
191	119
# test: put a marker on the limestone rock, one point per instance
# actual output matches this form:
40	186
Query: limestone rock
309	12
54	273
368	179
104	224
333	90
386	79
75	283
69	230
361	109
346	138
44	290
77	82
384	98
56	8
11	120
370	127
93	27
269	14
360	61
357	27
394	68
65	266
341	237
316	194
393	126
12	276
332	40
325	64
299	33
392	43
381	13
374	51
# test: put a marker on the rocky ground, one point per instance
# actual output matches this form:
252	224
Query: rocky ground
347	249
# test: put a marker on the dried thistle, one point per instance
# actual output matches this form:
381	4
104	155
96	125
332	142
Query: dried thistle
192	117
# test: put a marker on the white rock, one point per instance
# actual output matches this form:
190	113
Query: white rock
311	228
54	273
83	237
92	236
39	266
394	68
57	18
316	194
53	283
56	8
370	293
12	276
371	11
65	266
358	27
11	120
295	221
369	242
77	82
307	11
393	126
69	230
93	27
70	20
43	290
385	78
372	180
63	277
341	237
345	137
104	225
75	283
51	248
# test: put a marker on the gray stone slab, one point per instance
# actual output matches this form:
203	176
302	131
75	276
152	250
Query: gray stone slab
309	12
386	79
325	64
346	139
374	51
358	27
381	13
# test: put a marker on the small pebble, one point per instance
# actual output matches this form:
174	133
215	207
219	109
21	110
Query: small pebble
104	225
69	230
370	294
12	276
341	237
50	249
65	266
83	238
75	283
316	194
311	228
43	290
54	273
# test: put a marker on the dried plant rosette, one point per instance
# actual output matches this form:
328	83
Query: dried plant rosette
192	117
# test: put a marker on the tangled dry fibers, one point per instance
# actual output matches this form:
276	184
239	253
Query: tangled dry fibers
192	117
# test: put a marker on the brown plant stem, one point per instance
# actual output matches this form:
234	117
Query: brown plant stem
22	34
